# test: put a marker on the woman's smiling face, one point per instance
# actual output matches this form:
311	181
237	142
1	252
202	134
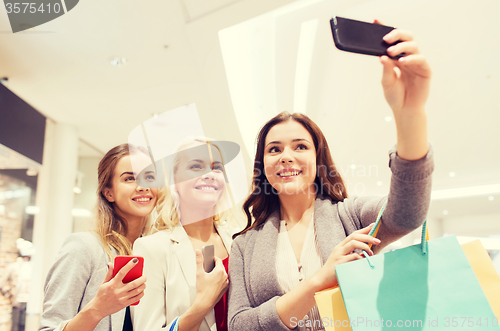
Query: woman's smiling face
131	199
290	158
199	176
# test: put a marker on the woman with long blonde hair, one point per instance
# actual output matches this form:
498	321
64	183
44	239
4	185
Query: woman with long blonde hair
80	293
181	295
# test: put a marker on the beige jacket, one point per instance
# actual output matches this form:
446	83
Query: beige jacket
170	266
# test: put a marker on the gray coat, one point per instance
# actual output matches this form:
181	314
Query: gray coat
254	287
73	280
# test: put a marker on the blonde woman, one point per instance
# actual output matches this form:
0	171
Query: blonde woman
80	294
180	294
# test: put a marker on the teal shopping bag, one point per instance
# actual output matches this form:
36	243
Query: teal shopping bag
429	286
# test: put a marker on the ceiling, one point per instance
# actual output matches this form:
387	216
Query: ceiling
173	57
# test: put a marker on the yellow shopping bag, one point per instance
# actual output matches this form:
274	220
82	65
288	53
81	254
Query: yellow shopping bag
332	309
485	272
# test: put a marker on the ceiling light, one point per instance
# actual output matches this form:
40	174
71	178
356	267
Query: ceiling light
452	174
31	172
445	212
466	192
388	118
379	183
118	61
32	210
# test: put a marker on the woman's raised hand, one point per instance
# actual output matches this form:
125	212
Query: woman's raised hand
406	84
345	252
406	81
113	295
210	287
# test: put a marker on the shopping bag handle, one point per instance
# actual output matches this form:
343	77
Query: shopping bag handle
425	231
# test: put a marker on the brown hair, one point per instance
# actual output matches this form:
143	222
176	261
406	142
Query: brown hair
110	227
264	200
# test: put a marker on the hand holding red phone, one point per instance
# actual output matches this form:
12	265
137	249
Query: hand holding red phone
136	272
113	295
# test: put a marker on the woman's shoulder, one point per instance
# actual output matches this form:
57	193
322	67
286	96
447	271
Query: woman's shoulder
160	235
84	248
86	241
353	204
153	240
84	237
249	237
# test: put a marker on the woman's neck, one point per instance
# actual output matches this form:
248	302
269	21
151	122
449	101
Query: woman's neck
190	213
294	207
135	228
200	230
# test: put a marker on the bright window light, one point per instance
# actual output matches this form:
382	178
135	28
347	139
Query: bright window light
462	192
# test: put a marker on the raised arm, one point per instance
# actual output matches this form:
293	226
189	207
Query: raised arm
406	84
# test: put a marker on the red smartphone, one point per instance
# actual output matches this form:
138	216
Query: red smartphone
134	273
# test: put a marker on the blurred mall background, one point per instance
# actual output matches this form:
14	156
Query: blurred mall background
76	86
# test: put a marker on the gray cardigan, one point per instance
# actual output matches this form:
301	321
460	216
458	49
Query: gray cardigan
254	287
73	280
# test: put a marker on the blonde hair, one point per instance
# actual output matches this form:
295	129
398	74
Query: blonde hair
110	227
168	200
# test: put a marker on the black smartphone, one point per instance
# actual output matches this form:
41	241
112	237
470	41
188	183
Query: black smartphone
361	37
208	257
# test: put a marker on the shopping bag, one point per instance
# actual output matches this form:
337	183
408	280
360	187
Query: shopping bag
485	272
331	305
332	310
428	286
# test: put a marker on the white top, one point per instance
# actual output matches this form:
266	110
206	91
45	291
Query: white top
291	274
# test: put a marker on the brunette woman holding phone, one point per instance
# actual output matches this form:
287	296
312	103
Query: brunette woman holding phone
192	213
80	292
300	221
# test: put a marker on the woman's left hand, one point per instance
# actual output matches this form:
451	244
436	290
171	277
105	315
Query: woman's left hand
406	84
406	81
